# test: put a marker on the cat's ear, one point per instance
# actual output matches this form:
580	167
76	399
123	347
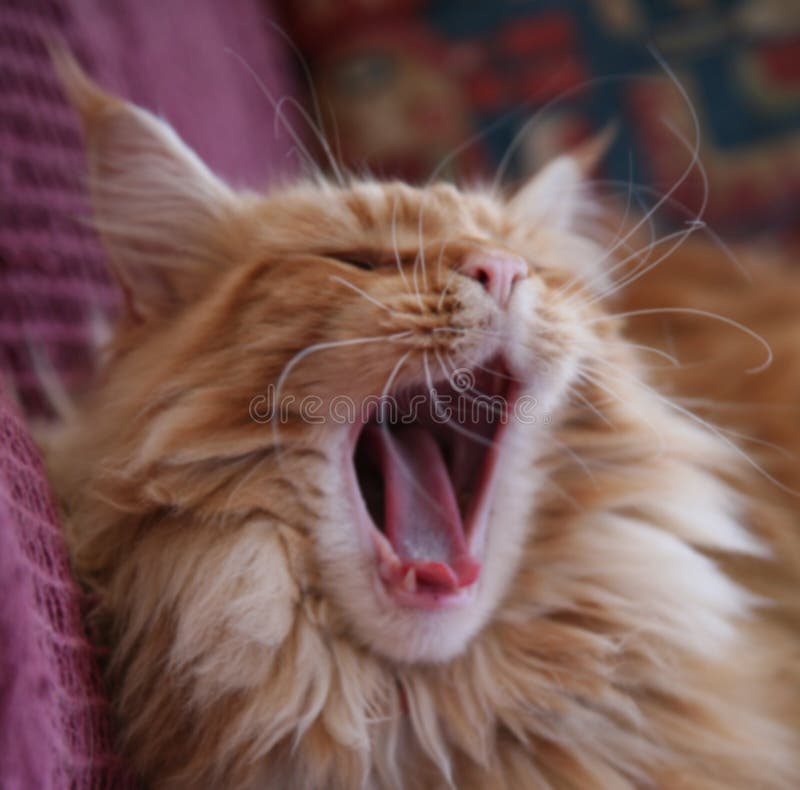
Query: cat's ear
164	217
551	198
554	196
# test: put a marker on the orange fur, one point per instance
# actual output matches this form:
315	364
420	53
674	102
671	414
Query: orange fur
613	642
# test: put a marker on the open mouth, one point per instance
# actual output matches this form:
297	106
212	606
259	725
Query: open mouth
425	467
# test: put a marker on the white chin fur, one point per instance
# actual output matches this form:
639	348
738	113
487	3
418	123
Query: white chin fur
349	574
346	557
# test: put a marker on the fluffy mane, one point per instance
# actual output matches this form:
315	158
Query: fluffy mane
613	641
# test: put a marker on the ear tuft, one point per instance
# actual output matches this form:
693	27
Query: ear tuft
84	95
553	197
163	216
590	153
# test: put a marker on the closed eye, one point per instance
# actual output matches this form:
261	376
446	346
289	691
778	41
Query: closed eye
354	259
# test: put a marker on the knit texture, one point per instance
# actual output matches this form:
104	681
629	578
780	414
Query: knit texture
54	725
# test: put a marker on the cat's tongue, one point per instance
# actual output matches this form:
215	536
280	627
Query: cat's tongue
421	518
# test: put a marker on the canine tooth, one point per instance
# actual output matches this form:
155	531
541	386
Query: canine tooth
410	581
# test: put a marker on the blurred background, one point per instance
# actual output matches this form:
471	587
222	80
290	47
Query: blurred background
460	89
404	83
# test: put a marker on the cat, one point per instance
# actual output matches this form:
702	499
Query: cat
567	595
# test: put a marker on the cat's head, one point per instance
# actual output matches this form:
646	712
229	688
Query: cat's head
377	366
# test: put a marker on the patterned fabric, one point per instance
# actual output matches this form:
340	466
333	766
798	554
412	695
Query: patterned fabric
183	61
416	85
54	729
173	57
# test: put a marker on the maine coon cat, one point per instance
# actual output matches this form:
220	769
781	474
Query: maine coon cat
575	594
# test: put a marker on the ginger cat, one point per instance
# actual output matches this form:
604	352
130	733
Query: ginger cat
568	587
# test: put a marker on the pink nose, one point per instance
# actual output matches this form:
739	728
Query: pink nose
496	272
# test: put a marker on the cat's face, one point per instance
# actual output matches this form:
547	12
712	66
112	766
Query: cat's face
375	365
431	338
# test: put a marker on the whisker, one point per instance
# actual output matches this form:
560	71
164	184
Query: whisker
292	363
393	375
336	137
710	427
454	425
631	196
505	161
710	403
385	428
414	279
420	256
641	268
477	395
693	162
674	361
420	244
581	462
602	341
550	481
679	206
279	115
427	369
746	437
301	355
704	313
301	59
301	111
724	429
361	292
483	132
497	373
397	259
591	406
481	398
597	379
682	236
455	271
